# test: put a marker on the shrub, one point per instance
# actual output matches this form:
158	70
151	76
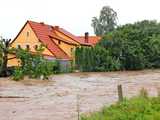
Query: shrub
137	108
34	65
96	59
43	68
18	74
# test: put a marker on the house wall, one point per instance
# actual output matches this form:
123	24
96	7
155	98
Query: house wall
13	61
67	48
23	39
26	37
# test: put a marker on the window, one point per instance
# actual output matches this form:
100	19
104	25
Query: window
71	51
18	46
36	46
27	47
28	34
59	42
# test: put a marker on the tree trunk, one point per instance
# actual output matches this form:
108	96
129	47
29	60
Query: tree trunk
5	51
4	72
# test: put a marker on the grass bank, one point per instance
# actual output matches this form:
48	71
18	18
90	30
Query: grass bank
137	108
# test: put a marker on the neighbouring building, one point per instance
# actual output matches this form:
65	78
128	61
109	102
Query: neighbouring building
60	44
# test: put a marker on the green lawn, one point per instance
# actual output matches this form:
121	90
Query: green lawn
138	108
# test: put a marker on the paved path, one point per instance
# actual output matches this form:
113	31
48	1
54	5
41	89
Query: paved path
57	99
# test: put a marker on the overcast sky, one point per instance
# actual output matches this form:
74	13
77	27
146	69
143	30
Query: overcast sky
73	15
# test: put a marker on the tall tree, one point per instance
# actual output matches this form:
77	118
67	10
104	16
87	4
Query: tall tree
106	22
4	51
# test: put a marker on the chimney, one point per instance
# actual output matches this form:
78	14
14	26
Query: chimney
56	27
42	23
51	28
86	37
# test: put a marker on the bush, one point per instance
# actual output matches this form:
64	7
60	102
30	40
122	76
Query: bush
95	59
34	65
138	108
18	74
43	68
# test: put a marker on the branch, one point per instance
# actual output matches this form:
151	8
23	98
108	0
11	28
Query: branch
1	46
9	40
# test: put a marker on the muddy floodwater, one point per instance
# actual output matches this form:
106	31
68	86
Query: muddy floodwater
56	99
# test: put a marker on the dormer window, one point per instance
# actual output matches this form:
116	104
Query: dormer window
59	42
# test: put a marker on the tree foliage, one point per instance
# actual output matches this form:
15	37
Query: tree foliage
95	59
129	47
136	45
4	51
34	65
106	22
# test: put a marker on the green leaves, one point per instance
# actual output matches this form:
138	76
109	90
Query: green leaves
95	59
18	74
34	65
129	47
106	22
137	108
137	45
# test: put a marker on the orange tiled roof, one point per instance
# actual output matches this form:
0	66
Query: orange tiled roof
44	34
93	40
73	37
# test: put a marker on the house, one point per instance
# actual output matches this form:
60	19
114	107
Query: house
59	43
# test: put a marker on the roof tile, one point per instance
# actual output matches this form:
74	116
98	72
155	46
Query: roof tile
46	33
43	32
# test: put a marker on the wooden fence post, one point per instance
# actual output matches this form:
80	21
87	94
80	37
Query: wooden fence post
120	93
78	107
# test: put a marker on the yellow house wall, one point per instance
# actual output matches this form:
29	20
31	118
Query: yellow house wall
31	40
66	48
13	61
24	40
